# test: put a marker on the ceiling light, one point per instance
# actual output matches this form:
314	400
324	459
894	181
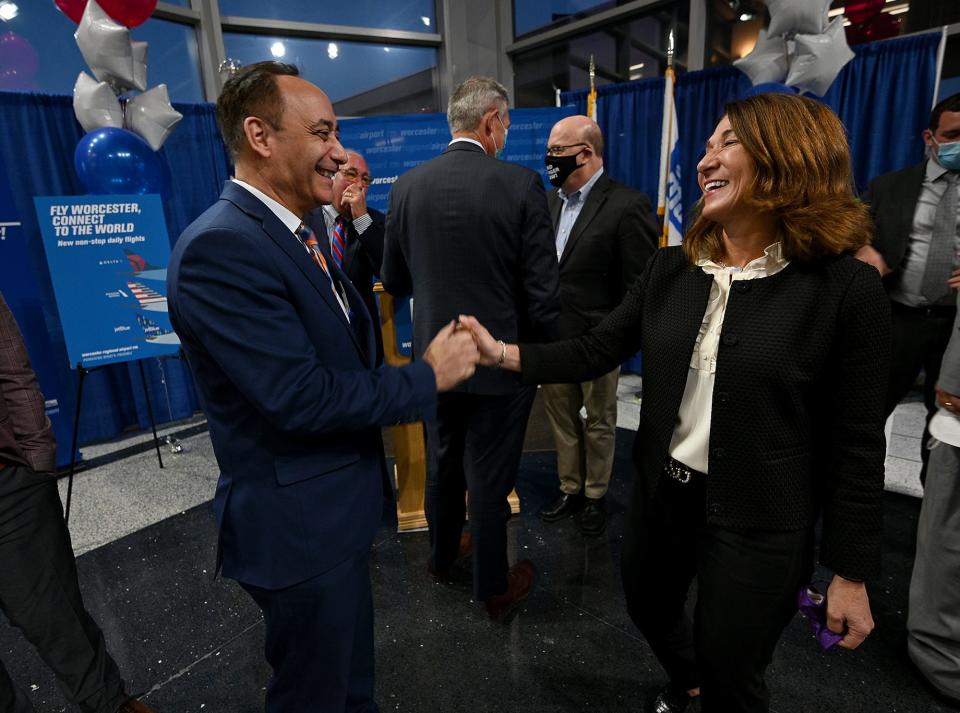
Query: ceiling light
746	16
332	51
636	66
386	49
278	50
8	11
426	20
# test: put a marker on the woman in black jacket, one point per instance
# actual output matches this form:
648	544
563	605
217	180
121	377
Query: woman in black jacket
766	350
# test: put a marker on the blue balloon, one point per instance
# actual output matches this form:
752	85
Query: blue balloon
117	161
770	88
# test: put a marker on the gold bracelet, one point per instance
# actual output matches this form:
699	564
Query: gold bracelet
503	353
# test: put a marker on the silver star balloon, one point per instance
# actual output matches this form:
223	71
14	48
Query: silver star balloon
818	59
105	45
767	62
789	17
152	116
95	104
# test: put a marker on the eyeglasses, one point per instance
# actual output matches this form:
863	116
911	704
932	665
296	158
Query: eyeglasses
352	174
559	150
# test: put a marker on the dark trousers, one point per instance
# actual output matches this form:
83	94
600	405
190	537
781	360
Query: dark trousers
474	445
40	595
320	641
747	584
920	336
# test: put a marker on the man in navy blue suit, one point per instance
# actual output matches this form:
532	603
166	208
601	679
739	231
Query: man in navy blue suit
283	352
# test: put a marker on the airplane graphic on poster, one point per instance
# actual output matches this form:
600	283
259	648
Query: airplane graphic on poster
148	298
144	270
156	334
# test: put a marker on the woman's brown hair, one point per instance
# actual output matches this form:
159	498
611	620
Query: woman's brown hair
802	162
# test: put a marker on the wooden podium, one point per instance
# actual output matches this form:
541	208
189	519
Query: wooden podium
409	444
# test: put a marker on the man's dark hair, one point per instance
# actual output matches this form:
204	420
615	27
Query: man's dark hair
951	103
251	92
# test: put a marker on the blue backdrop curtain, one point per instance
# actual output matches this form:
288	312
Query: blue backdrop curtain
883	96
36	152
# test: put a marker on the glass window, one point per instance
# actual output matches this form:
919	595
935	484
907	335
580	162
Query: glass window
530	15
43	56
622	51
360	78
413	15
172	58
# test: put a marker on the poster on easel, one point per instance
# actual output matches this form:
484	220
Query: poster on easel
108	260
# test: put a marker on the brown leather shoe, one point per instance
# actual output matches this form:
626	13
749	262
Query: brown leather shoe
463	551
520	580
134	706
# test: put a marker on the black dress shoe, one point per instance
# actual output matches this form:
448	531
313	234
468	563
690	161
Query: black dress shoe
593	517
566	505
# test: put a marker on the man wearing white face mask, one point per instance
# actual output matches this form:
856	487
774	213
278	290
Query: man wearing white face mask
468	234
916	249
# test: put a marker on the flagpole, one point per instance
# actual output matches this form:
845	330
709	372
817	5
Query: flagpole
592	96
668	129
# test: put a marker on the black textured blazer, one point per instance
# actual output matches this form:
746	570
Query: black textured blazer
797	422
610	242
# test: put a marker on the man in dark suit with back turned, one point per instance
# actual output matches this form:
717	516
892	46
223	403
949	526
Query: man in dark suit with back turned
284	365
39	591
605	234
469	234
354	233
916	248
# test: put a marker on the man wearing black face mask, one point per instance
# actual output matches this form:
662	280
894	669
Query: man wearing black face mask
605	232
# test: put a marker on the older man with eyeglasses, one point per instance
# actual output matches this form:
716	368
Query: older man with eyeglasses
354	232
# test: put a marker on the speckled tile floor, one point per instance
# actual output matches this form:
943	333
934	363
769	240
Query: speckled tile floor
192	643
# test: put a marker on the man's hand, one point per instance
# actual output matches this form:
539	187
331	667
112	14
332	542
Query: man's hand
954	280
453	356
848	608
869	255
490	349
355	200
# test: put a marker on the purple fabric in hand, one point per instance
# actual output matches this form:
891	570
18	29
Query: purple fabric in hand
813	605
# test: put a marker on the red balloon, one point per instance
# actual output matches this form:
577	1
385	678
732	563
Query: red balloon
859	11
129	12
72	8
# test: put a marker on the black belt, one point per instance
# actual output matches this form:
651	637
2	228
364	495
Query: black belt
928	311
677	471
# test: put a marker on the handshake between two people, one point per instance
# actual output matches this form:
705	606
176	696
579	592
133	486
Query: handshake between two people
462	346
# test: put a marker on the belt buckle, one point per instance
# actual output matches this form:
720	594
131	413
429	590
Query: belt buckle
677	472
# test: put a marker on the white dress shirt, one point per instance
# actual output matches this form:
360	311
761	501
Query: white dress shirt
691	436
293	223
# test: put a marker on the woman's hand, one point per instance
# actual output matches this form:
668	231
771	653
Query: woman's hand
490	349
849	609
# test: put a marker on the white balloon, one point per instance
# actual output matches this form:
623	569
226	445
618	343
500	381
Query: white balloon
152	116
139	65
788	17
106	48
767	62
818	59
95	104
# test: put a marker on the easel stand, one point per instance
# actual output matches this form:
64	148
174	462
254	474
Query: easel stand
83	371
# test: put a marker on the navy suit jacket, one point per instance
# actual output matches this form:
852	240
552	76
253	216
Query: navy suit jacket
292	399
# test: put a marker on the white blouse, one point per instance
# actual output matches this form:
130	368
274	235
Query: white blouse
691	436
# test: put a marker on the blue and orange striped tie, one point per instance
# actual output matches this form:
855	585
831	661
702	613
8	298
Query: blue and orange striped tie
338	246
